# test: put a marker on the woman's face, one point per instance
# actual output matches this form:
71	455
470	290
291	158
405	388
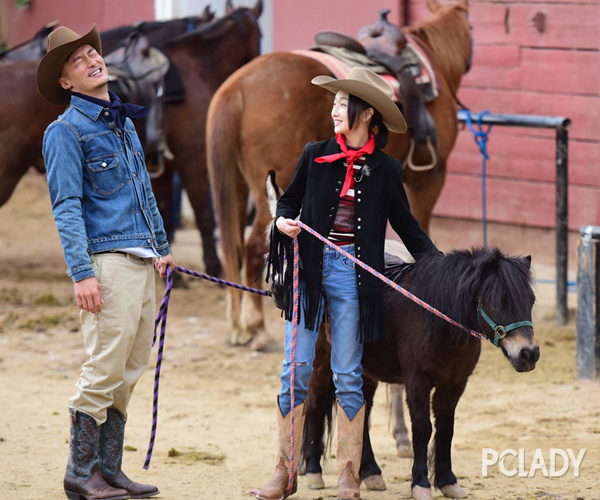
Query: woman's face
339	113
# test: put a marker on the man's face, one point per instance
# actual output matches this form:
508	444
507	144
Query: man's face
85	72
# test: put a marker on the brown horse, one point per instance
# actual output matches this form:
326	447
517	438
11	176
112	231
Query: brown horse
205	57
265	113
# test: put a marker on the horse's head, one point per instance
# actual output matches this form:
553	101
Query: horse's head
448	33
505	300
274	192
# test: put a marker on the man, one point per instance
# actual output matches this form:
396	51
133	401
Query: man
111	233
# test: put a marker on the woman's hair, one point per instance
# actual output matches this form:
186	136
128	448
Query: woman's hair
356	106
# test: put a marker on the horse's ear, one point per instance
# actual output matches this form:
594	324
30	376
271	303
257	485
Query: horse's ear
258	9
229	8
433	5
528	260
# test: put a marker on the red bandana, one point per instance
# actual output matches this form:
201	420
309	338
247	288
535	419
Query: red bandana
350	155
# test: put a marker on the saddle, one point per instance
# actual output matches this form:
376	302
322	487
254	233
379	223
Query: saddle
137	74
402	61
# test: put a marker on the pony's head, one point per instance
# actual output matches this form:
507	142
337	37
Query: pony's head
505	300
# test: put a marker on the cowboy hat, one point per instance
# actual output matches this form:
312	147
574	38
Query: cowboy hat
61	43
370	87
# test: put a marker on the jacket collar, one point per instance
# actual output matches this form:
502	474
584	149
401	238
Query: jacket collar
88	108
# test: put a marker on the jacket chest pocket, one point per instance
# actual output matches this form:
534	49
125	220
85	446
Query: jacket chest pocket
106	174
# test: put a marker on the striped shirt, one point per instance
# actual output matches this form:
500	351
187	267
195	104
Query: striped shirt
342	232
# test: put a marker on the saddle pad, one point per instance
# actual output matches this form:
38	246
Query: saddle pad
340	69
428	79
339	61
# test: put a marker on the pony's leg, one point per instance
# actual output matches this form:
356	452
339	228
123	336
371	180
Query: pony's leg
444	404
399	430
370	473
418	391
320	401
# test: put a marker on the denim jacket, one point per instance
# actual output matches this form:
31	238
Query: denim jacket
99	187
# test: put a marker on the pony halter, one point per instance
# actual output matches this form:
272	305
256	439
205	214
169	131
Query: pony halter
499	330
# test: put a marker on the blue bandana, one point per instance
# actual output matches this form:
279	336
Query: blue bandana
119	110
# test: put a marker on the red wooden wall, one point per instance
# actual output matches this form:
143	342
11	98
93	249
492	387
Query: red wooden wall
17	26
517	69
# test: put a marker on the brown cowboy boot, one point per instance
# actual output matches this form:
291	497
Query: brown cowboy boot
112	434
276	488
349	451
83	479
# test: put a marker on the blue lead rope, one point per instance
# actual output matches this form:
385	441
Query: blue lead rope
481	138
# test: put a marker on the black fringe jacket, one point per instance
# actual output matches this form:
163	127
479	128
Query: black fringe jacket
314	193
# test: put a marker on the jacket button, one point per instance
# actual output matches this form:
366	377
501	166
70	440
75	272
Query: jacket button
106	113
337	190
330	216
358	199
359	219
359	191
104	164
149	240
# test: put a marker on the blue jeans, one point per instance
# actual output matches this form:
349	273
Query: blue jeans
340	291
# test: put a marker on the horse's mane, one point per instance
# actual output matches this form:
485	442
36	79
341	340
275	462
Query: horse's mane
455	282
216	27
449	36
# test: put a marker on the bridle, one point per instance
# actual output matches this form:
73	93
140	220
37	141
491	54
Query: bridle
499	331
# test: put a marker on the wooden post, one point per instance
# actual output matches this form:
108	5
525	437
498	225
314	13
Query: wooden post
588	296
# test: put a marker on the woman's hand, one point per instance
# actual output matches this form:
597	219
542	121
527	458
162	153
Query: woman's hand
289	227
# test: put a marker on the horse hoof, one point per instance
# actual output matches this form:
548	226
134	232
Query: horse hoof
375	483
420	493
454	491
240	338
404	450
315	481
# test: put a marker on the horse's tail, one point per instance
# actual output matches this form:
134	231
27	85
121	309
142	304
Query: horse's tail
229	190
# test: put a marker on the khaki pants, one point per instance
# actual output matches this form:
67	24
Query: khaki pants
119	339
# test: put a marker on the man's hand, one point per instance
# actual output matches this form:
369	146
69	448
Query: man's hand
89	295
162	263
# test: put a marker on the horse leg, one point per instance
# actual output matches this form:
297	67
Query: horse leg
195	181
399	430
418	391
423	190
370	473
444	404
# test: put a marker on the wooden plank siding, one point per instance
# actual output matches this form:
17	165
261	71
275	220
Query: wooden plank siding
519	70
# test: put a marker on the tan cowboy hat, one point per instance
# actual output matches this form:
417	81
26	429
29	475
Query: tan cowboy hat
370	87
61	43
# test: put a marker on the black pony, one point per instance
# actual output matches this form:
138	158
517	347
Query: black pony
483	290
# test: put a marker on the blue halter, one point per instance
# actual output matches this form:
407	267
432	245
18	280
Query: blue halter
499	330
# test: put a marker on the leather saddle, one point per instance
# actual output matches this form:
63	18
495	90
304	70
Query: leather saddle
137	74
384	48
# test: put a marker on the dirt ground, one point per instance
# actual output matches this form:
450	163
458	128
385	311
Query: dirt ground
215	435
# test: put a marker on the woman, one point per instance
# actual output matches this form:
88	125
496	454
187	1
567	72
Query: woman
347	190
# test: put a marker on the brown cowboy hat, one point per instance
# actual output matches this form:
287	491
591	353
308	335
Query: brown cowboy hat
370	87
61	43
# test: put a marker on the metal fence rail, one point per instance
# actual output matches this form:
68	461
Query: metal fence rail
561	125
